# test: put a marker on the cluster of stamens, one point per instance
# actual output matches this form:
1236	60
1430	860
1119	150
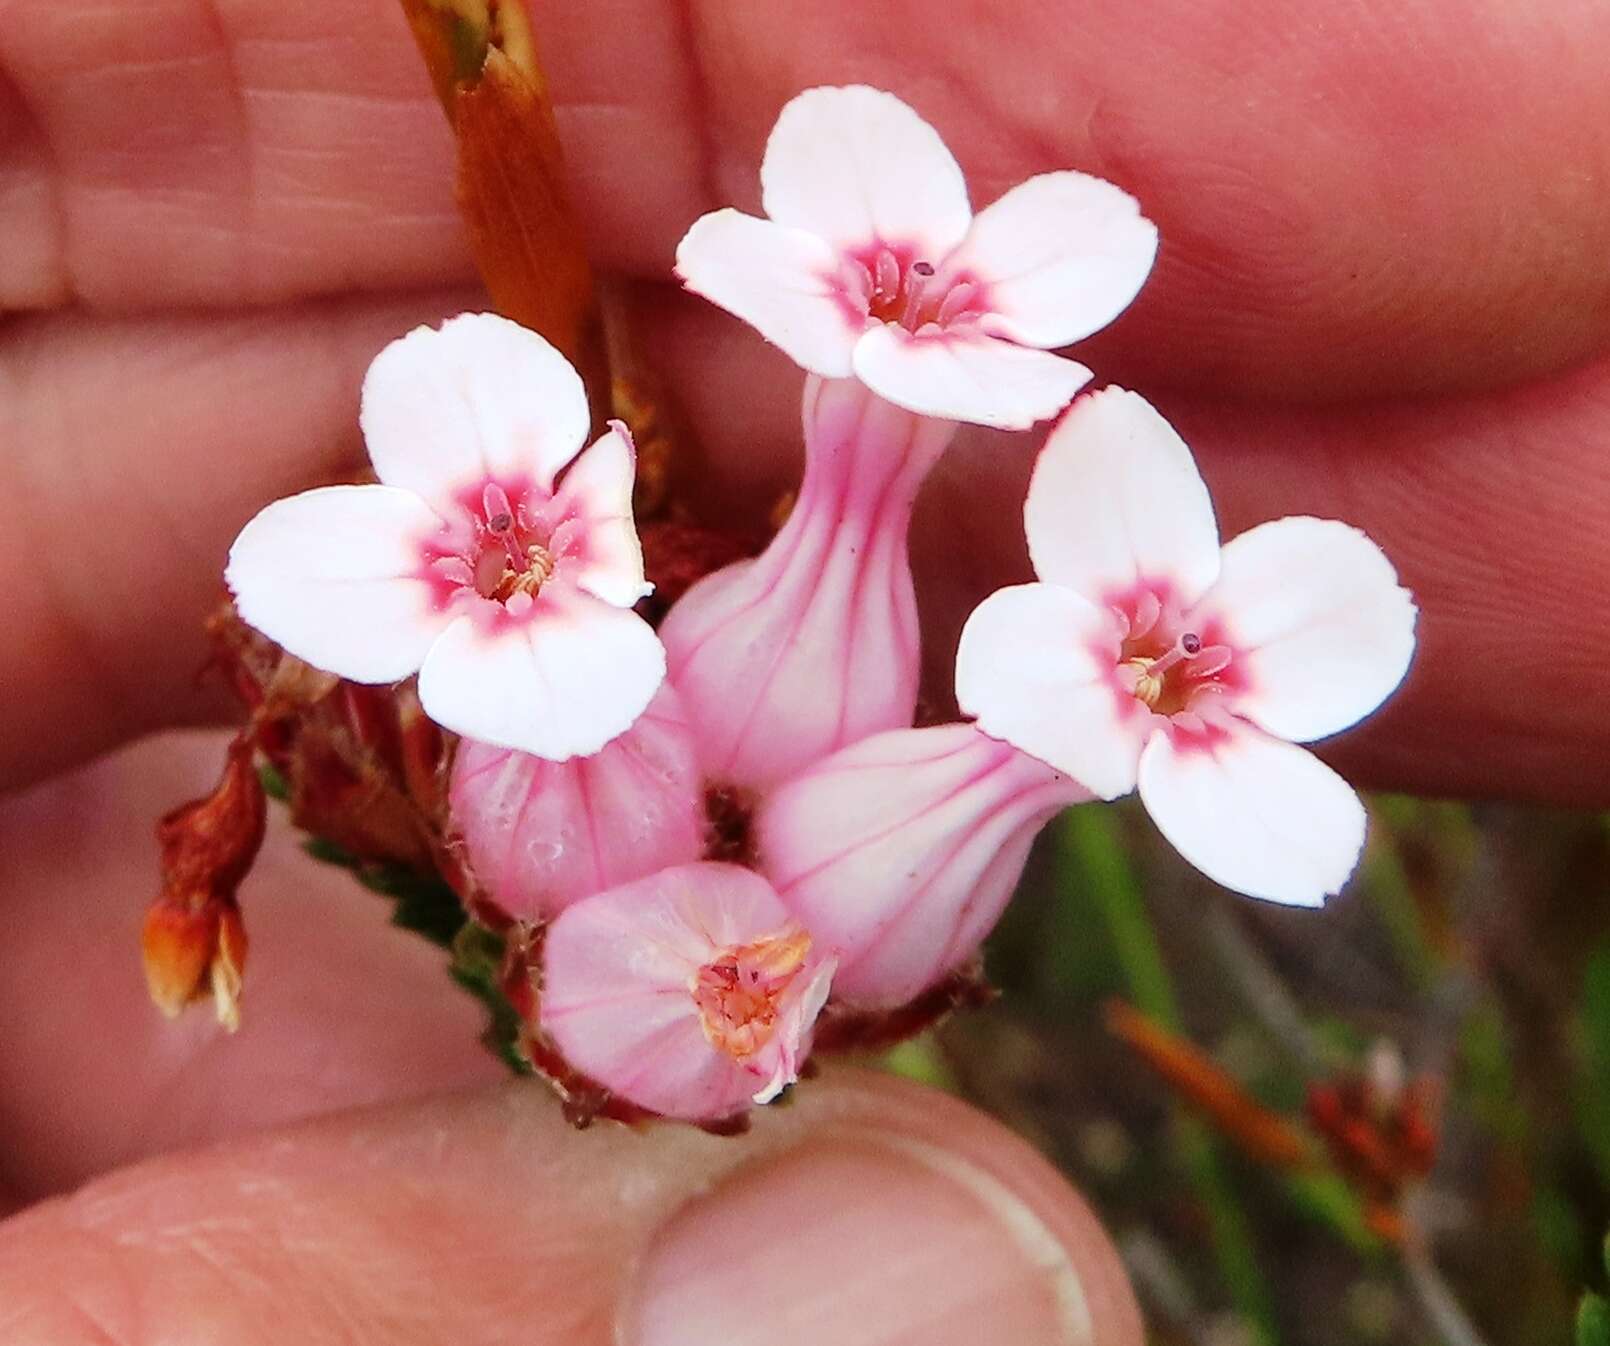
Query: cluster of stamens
738	993
908	296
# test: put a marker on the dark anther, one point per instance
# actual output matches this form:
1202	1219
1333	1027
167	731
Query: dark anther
923	268
1191	643
499	523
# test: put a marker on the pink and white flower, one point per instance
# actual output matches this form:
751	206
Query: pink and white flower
873	264
900	852
691	993
509	595
1149	656
814	643
539	835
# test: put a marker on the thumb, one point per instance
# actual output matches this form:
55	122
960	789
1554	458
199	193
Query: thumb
869	1211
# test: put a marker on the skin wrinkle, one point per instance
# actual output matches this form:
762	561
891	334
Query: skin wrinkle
699	101
1489	596
1037	113
54	286
96	609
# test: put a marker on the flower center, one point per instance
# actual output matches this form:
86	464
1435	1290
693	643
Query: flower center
507	561
1168	677
740	991
910	295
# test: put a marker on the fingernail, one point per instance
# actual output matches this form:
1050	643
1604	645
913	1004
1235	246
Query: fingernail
860	1240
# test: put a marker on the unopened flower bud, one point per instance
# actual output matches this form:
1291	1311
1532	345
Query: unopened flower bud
193	941
193	951
900	852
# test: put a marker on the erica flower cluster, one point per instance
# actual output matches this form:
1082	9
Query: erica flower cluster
717	837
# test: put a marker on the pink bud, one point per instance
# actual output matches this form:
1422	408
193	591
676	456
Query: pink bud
813	645
900	852
691	993
539	835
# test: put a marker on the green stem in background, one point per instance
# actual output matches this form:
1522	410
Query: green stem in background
1385	882
920	1059
1091	857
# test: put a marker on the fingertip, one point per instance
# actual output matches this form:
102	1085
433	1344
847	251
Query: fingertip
869	1211
900	1216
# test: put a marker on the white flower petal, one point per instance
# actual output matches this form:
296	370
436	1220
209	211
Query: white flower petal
333	576
1319	622
560	683
778	280
856	165
966	376
444	409
1031	668
1116	499
1258	815
1062	254
601	551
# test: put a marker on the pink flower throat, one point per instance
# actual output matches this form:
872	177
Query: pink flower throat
740	991
502	554
894	286
1172	671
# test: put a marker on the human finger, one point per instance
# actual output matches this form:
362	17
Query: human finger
869	1211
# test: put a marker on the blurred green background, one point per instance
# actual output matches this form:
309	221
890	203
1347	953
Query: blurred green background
1474	942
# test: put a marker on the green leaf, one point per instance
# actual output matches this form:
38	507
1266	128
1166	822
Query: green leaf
1593	1321
477	966
275	786
920	1059
425	903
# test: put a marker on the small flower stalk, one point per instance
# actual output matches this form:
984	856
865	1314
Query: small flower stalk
675	796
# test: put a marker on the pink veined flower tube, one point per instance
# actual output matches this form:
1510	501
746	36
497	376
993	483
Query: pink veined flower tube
509	595
1148	656
900	852
538	835
872	263
813	644
691	993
